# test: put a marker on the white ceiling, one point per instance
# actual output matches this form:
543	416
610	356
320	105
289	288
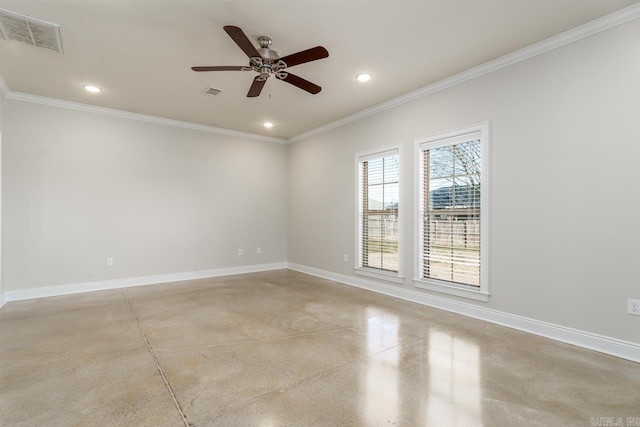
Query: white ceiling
140	52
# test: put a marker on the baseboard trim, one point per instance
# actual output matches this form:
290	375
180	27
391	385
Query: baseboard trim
76	288
603	344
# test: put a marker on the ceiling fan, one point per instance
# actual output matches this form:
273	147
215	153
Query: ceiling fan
266	62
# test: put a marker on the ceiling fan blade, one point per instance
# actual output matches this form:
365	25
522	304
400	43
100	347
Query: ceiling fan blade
242	41
220	68
256	87
302	83
308	55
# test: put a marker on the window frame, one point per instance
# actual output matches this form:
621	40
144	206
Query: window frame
448	138
360	157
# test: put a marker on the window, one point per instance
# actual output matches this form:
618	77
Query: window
452	213
378	214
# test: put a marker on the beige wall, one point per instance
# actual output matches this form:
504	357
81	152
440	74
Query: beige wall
565	144
80	187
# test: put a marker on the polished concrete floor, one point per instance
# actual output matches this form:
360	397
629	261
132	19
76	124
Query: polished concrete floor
282	348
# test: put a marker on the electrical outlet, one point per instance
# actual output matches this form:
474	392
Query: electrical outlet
240	252
109	262
346	258
258	251
633	306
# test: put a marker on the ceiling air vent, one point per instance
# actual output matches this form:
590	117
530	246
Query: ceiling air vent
211	91
25	29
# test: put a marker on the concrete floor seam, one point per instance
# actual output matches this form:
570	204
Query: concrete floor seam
322	355
155	360
308	334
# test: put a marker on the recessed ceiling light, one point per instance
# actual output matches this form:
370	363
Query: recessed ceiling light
363	77
92	88
268	125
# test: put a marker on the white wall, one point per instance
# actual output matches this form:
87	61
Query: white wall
565	144
79	187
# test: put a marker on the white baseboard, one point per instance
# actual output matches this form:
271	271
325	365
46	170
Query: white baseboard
75	288
615	347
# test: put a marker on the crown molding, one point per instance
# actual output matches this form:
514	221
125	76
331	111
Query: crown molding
590	28
53	102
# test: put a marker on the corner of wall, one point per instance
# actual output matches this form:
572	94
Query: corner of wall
4	90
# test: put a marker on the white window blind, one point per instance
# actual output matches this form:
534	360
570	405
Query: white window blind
451	210
378	202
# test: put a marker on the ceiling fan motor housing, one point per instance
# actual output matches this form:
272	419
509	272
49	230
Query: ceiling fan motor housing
267	64
269	54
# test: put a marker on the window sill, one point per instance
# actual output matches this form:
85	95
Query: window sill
451	290
391	277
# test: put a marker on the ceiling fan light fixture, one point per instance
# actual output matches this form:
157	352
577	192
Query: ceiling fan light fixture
92	88
363	77
268	125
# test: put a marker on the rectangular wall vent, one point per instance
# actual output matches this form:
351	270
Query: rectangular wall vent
211	91
25	29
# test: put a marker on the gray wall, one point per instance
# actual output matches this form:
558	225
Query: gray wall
1	111
564	153
1	136
79	187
